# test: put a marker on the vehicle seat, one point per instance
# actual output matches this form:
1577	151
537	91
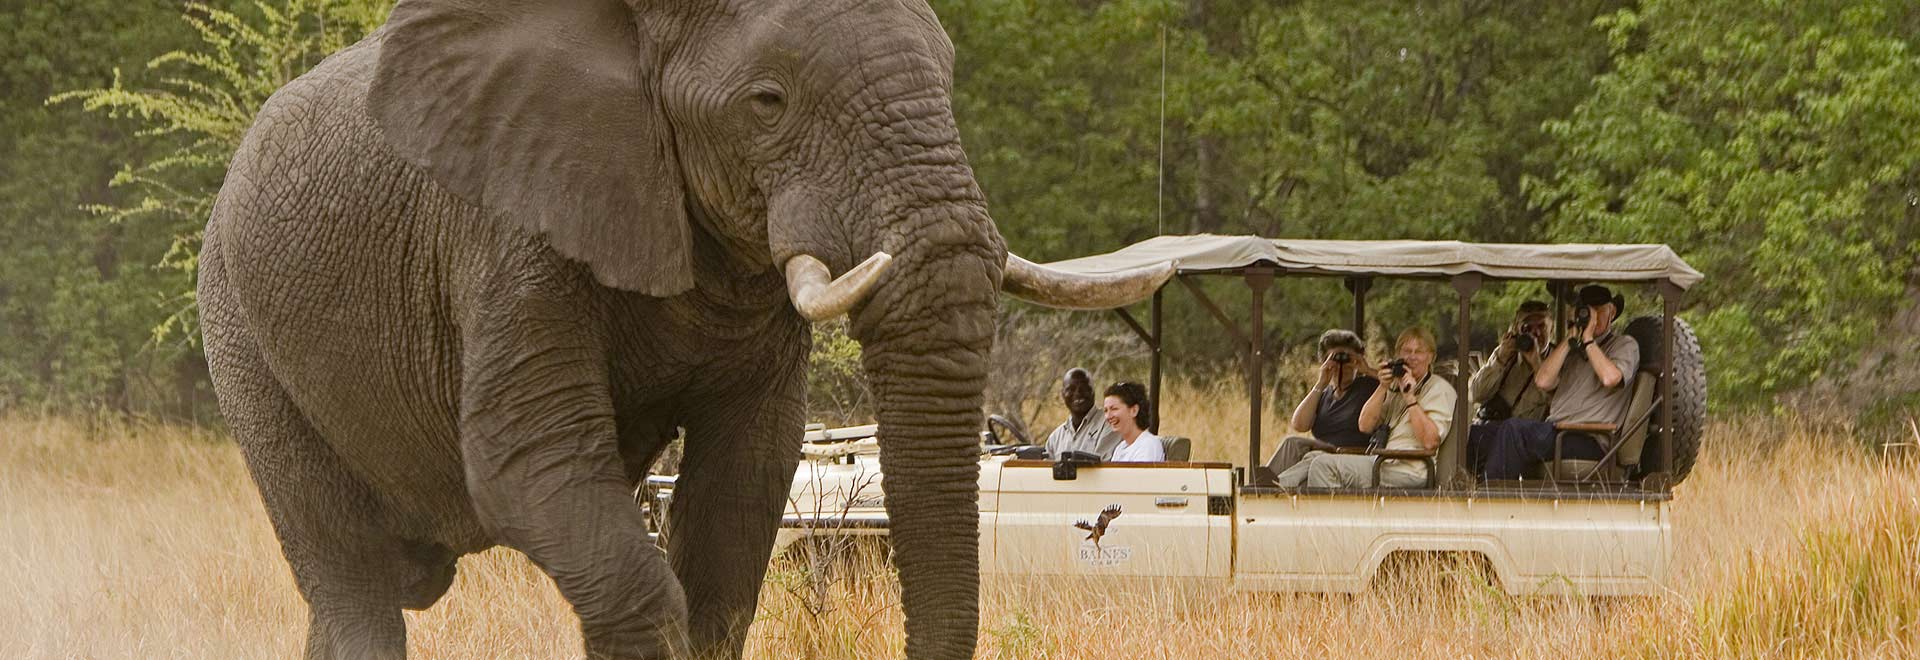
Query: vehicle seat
1628	436
1178	449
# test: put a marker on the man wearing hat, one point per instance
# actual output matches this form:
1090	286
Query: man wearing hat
1588	379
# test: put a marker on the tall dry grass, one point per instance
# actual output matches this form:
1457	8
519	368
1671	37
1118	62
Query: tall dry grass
148	541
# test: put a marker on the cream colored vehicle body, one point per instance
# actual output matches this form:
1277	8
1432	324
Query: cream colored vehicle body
1194	521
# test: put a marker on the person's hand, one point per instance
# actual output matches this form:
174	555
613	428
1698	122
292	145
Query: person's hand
1385	374
1509	345
1329	372
1586	334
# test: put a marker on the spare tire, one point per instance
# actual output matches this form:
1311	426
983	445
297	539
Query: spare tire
1689	389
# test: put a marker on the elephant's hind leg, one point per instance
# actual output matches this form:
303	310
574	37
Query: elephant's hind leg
354	575
324	518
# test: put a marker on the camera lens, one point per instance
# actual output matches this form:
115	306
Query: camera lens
1523	342
1399	367
1342	358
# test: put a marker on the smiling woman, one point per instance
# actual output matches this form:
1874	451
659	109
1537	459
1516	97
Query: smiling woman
1129	412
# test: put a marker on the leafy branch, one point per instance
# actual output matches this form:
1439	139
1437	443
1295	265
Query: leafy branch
202	107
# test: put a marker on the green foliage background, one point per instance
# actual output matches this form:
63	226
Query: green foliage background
1770	142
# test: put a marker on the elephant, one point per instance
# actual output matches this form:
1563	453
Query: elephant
466	278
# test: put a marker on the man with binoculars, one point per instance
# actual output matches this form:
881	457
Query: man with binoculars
1503	387
1587	379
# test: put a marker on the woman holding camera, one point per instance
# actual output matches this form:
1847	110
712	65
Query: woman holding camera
1417	408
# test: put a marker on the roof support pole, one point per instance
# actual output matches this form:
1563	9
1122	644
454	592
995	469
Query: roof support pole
1152	339
1670	296
1153	379
1359	286
1557	293
1258	279
1448	462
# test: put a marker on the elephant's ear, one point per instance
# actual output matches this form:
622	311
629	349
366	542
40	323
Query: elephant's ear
544	113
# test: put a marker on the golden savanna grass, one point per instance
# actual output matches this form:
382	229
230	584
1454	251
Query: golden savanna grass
145	541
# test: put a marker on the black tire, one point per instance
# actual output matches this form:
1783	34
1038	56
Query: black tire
1689	389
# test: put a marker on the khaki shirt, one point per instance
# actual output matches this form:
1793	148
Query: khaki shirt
1091	435
1437	397
1580	398
1514	384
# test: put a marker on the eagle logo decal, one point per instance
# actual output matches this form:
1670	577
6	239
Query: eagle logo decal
1098	527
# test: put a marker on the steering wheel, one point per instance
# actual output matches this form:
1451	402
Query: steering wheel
996	424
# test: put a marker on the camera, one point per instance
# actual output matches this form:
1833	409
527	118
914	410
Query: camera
1342	358
1523	342
1580	318
1398	366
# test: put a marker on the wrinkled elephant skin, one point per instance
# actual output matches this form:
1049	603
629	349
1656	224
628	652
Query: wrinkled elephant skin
468	277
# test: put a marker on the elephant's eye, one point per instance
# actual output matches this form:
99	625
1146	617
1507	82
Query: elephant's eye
768	104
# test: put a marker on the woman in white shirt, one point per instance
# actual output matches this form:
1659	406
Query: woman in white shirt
1130	413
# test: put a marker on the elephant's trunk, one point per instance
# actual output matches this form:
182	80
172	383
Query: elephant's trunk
929	414
926	333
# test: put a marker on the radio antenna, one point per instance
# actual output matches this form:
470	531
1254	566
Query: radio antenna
1160	211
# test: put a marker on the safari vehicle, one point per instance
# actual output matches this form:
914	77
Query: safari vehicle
1580	527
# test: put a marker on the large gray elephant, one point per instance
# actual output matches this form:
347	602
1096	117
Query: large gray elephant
467	277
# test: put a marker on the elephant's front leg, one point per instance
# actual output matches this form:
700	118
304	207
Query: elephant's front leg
741	451
544	470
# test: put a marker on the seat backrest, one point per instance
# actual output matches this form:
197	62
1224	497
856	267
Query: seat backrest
1633	427
1178	449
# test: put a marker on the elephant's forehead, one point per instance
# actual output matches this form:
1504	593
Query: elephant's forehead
842	34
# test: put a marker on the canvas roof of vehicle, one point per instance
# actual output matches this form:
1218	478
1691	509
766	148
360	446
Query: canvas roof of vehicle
1202	253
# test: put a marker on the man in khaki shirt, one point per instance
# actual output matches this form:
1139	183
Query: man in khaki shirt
1503	388
1589	378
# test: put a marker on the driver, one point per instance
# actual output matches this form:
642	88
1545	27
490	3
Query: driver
1084	430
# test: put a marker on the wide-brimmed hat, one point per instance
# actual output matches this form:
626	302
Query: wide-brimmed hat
1594	294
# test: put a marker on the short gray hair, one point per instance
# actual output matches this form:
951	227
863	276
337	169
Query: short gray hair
1338	338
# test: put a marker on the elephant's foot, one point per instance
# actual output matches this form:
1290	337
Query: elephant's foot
350	631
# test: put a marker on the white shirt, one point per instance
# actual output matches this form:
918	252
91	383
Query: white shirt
1145	449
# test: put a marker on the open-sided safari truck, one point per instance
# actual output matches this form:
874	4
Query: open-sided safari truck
1580	527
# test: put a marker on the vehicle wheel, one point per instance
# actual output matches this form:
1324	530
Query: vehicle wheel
1689	388
1000	430
1416	575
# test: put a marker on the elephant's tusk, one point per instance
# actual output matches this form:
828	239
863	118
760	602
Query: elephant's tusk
818	299
1055	288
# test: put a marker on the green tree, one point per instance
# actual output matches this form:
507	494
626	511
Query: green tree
1306	119
74	314
103	197
204	106
1772	144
